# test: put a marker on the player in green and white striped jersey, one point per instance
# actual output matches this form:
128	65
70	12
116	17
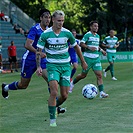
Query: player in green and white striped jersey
55	41
110	43
90	42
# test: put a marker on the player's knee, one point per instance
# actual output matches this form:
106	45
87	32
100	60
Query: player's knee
83	76
53	93
21	86
99	76
64	97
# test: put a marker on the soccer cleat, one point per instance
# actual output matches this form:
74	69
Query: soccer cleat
71	87
113	78
105	73
53	124
60	110
103	95
4	93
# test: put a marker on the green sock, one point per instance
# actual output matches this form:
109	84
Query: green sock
112	70
57	102
52	111
108	68
100	87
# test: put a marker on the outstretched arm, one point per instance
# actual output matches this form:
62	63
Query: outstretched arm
79	53
38	61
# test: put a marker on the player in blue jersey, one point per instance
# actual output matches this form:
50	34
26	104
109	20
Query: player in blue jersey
28	67
73	56
29	58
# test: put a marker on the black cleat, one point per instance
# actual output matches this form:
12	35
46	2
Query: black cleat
4	93
60	110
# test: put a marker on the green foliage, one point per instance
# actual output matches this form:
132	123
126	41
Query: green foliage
111	14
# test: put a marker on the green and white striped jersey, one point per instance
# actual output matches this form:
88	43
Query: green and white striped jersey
56	45
111	41
91	40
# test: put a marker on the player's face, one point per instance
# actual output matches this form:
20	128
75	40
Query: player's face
74	33
94	27
45	19
112	32
58	21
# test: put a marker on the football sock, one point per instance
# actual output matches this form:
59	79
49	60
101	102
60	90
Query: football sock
100	87
13	86
52	111
73	72
108	68
112	70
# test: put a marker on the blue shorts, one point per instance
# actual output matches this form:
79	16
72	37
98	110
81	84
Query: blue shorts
28	67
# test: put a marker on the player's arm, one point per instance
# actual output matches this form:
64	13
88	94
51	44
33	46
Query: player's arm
102	51
83	45
28	45
117	45
38	61
79	53
105	45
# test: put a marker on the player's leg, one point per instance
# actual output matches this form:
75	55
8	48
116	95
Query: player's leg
113	55
109	57
74	61
28	68
97	68
82	75
53	84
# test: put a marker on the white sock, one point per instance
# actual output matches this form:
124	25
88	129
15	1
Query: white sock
52	121
6	88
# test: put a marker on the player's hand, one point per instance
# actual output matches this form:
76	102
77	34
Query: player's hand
92	48
116	46
39	71
104	53
43	55
84	65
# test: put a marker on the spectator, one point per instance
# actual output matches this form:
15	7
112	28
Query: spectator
2	16
26	33
18	29
12	54
1	66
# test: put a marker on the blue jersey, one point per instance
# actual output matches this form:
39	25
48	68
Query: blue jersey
71	49
29	58
72	53
34	34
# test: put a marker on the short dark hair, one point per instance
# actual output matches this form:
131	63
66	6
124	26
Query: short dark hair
92	22
43	11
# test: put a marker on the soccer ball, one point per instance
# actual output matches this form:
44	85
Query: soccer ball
89	91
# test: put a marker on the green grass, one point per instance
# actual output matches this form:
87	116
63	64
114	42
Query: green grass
26	110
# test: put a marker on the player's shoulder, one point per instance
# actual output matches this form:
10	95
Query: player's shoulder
107	37
115	37
48	30
65	30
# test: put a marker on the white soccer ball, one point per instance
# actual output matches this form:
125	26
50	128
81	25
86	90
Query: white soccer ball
89	91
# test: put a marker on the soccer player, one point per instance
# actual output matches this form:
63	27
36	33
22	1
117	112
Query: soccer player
54	40
29	57
90	42
110	43
73	55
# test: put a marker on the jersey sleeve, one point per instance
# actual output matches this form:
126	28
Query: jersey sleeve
42	41
84	39
72	40
32	33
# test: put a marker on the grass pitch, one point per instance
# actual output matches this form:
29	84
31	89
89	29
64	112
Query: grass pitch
26	110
